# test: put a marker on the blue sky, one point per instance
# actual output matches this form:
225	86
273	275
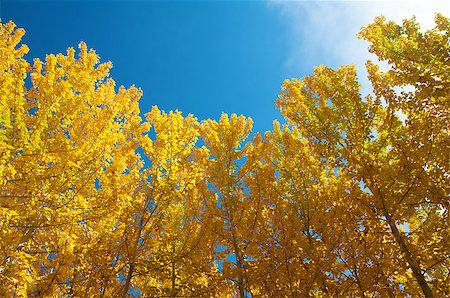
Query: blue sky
209	57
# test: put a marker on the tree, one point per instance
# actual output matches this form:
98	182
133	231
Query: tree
348	198
68	170
402	166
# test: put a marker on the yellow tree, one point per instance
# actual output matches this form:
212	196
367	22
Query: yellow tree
66	142
402	166
229	204
309	239
170	248
349	198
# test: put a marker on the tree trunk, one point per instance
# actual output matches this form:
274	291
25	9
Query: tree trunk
173	291
411	260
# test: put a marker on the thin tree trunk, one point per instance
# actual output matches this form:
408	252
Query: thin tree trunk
412	261
128	280
132	259
173	292
239	264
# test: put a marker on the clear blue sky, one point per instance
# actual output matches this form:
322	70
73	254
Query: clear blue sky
203	57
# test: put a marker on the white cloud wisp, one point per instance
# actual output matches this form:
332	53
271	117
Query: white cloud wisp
325	32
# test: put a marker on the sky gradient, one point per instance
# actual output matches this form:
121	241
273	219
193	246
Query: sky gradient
209	57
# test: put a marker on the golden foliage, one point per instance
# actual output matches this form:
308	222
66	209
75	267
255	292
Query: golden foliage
349	198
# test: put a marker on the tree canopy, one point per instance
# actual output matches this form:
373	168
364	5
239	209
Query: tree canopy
350	197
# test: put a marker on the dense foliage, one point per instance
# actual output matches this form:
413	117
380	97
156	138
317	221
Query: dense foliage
351	197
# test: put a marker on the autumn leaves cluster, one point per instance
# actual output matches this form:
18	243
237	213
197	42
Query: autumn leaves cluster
349	198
